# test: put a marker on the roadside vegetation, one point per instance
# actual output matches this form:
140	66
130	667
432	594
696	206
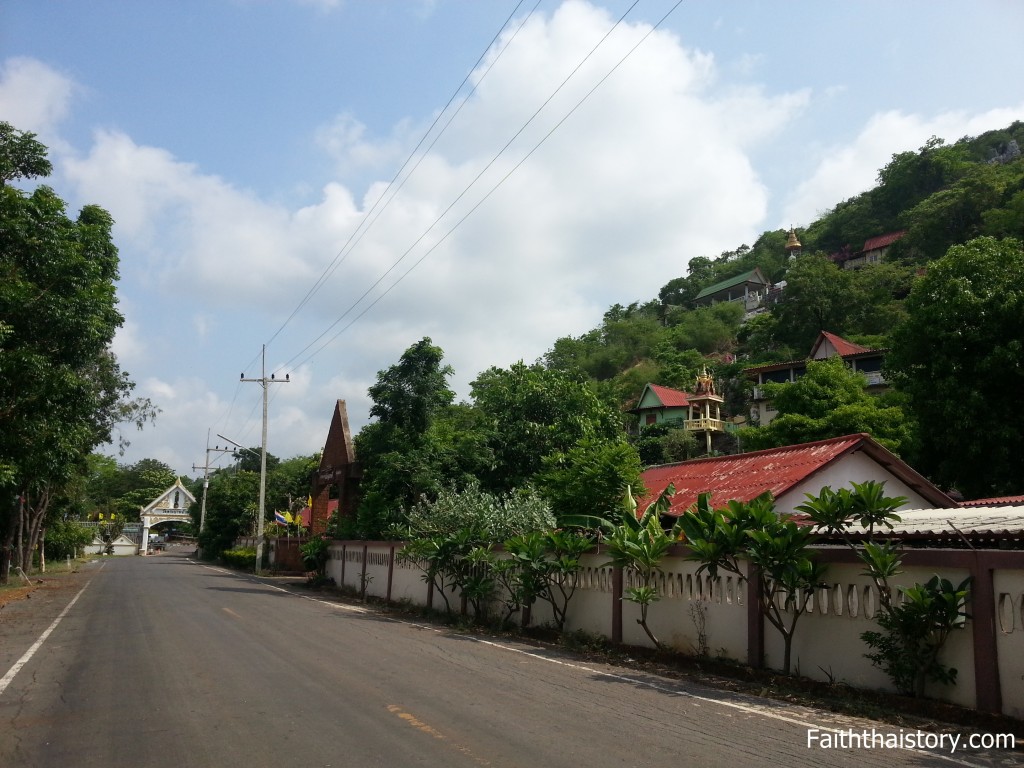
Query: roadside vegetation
499	497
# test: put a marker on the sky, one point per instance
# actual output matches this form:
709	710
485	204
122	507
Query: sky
333	180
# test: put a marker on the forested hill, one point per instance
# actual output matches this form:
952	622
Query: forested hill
942	195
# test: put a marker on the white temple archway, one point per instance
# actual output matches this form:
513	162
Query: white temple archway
170	506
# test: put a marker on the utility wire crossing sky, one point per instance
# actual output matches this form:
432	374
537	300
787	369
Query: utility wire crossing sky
337	180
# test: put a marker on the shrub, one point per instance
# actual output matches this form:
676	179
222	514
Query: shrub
242	558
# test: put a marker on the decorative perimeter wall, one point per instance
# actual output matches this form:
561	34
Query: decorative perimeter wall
722	618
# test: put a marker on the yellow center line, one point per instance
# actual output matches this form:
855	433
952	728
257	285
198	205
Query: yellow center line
431	731
229	611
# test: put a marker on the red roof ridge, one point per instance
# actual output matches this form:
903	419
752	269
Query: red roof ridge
843	347
994	501
881	241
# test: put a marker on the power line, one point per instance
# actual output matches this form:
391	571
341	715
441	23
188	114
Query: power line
488	194
367	222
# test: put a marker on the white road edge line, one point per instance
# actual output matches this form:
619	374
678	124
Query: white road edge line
9	677
753	710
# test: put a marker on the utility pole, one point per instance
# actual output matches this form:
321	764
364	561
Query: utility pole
265	383
206	483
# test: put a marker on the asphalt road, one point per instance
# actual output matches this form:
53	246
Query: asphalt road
161	661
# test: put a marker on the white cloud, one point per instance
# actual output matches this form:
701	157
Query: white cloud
652	169
34	97
845	171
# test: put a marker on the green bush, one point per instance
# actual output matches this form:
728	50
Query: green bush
242	558
66	539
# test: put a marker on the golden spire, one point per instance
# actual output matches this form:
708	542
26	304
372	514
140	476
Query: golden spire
792	244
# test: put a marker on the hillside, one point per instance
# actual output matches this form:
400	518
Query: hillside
942	195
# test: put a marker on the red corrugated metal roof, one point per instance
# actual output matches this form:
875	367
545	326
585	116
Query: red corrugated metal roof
670	398
883	241
745	476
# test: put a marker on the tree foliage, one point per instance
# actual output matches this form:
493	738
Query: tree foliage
959	357
829	400
531	412
62	392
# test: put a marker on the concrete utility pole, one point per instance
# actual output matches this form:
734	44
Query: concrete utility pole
265	383
206	484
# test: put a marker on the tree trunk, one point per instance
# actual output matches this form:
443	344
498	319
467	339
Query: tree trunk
7	551
32	514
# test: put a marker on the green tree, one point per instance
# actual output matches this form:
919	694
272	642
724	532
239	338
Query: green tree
590	478
829	400
231	509
531	412
21	156
639	543
817	298
407	394
61	389
914	628
141	483
401	461
959	358
706	329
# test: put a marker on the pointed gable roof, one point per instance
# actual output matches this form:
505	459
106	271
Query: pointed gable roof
338	450
165	501
746	476
826	341
842	347
665	397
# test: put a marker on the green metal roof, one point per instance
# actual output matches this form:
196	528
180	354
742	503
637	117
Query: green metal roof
738	280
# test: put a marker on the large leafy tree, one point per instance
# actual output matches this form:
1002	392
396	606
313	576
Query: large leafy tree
403	452
408	393
829	400
817	298
231	509
61	390
531	412
591	478
960	359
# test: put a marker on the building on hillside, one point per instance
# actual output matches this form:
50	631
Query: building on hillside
860	359
699	412
751	288
791	472
873	252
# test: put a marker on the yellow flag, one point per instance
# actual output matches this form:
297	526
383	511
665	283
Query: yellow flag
309	501
288	517
101	515
113	516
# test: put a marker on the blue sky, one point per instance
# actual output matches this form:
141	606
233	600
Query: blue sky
241	146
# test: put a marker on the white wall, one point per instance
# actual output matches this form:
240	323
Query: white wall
826	645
